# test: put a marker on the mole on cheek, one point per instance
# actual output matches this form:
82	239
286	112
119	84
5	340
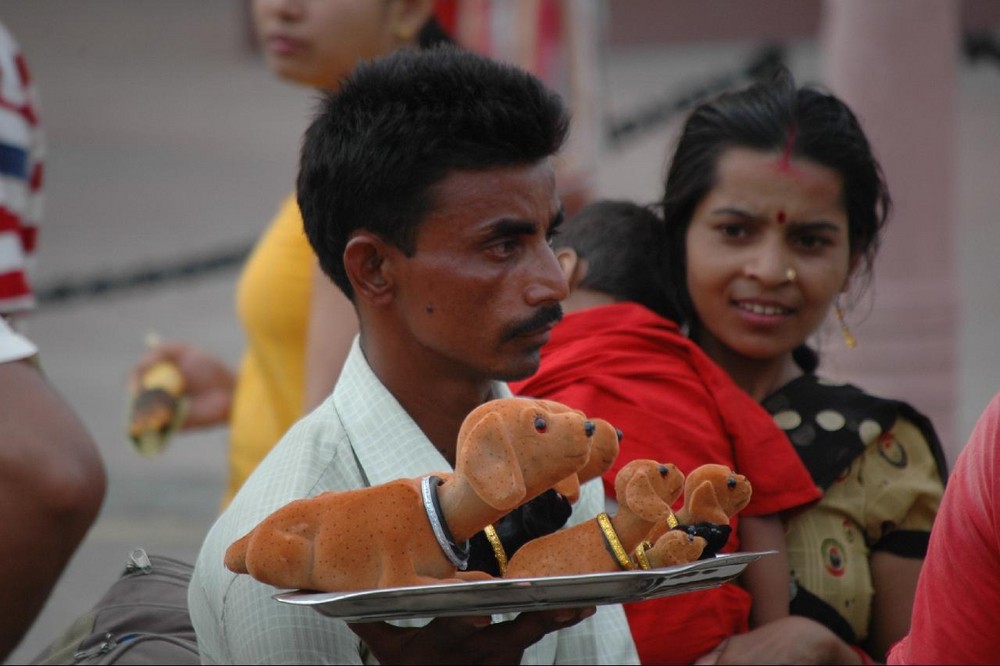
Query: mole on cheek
429	309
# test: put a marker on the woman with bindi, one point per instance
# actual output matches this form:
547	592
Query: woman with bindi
775	205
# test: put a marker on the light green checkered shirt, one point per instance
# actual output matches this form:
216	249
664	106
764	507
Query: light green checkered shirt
359	436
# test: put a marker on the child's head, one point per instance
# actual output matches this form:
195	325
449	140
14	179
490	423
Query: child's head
617	248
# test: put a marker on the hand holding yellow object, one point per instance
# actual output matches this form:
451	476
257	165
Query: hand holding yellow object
158	407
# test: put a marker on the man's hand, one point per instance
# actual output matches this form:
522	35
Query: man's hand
465	640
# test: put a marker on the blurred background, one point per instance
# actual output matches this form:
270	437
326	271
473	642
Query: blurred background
170	145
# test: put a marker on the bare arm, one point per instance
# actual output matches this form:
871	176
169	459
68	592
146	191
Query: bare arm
766	579
788	640
895	581
52	485
333	323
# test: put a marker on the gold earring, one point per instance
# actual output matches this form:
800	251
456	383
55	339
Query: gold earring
790	274
849	340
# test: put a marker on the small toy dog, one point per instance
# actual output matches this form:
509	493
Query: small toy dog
645	491
712	495
673	548
406	532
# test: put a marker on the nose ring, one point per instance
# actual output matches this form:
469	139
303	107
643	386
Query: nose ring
790	274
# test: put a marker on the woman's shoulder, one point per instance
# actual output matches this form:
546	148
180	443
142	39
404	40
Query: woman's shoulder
812	408
834	401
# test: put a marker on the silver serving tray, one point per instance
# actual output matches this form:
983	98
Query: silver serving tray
522	594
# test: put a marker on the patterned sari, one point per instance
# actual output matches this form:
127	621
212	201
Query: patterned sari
882	470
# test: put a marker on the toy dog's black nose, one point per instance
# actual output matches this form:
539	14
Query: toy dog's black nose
589	427
619	433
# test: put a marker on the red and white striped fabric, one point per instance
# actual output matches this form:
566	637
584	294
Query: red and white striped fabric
21	158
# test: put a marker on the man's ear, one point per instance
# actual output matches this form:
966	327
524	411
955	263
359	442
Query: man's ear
574	267
369	268
407	17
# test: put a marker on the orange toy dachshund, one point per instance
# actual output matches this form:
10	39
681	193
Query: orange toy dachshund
490	549
645	490
406	532
713	494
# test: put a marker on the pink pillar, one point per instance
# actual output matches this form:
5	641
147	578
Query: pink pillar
895	63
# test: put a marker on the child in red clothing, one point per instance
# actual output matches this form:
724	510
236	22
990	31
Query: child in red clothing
619	354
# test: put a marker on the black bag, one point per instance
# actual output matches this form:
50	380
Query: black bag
142	619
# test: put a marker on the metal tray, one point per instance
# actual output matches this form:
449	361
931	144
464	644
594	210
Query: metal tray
522	594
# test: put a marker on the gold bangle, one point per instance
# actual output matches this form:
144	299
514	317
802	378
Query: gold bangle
640	555
614	545
498	551
672	521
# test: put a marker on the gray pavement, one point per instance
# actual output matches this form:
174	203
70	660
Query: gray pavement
168	138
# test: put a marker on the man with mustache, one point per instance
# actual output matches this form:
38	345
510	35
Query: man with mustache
428	196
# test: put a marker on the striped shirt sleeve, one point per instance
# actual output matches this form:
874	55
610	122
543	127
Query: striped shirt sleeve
21	176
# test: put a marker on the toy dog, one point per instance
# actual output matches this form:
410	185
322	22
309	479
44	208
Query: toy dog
406	532
490	549
712	495
645	491
673	548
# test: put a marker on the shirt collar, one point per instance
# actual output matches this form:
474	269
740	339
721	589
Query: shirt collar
388	444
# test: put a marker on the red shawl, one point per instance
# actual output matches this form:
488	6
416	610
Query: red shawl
625	364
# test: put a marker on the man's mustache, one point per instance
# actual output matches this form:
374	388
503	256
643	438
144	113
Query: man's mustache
549	314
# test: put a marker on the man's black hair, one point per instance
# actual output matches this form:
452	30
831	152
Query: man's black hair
398	126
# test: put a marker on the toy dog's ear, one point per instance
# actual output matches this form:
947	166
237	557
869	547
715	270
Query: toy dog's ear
704	504
491	465
643	501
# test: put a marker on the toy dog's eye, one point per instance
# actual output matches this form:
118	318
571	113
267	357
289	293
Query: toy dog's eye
731	482
540	424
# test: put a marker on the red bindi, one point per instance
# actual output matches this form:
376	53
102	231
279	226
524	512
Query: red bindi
781	217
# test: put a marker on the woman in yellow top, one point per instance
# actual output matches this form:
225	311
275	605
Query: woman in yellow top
298	325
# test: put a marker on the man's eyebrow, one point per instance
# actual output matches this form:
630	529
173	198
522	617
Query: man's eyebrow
511	226
515	226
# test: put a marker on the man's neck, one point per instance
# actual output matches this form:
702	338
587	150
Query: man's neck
438	404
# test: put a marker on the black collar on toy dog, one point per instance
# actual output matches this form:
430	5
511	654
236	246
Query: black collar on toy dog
715	535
